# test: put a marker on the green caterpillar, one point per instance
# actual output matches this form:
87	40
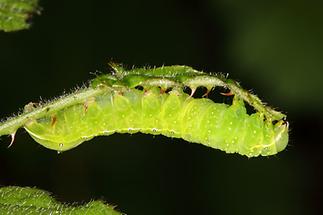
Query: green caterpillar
112	104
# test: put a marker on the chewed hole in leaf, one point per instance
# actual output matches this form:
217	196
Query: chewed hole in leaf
274	122
168	90
139	87
187	90
250	109
216	94
199	92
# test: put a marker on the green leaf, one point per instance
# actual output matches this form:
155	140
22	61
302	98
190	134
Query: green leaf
15	14
26	200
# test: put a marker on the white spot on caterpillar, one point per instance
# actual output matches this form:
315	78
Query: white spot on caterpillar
61	145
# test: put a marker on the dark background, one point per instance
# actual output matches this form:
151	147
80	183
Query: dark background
275	49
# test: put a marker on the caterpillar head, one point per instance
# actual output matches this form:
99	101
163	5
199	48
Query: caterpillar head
58	146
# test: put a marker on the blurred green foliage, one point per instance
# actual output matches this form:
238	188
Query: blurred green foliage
14	14
279	46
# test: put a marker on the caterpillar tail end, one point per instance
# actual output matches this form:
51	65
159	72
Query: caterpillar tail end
281	135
